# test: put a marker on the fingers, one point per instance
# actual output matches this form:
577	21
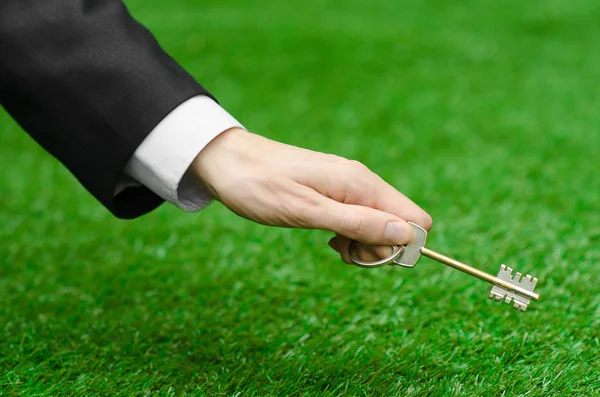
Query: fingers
379	251
391	200
360	223
400	205
350	182
364	252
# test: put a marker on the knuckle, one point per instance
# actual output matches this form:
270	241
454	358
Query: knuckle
302	212
335	158
357	166
353	223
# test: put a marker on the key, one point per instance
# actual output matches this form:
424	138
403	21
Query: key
520	301
506	287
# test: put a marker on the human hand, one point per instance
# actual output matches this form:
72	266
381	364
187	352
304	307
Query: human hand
281	185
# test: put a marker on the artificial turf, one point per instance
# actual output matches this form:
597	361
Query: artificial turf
485	113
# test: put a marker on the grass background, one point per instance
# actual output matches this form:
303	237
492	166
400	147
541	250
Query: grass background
486	114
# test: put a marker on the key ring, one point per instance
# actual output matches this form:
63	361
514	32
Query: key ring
398	250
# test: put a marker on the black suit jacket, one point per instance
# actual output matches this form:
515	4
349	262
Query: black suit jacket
88	83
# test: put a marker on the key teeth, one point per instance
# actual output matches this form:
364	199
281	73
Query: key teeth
519	306
500	294
507	270
518	277
496	295
527	281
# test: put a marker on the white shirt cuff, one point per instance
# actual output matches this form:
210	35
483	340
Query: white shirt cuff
161	162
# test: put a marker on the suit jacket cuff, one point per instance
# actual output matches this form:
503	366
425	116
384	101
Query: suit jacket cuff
162	160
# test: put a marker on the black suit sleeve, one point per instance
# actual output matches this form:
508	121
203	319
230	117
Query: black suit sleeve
88	83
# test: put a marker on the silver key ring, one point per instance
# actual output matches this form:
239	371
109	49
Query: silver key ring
398	249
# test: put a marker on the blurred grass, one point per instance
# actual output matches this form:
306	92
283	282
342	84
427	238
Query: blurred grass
486	114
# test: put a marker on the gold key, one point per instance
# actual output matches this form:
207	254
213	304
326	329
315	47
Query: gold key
516	289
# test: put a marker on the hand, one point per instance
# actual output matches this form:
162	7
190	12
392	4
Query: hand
281	185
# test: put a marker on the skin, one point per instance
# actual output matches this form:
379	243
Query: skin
275	184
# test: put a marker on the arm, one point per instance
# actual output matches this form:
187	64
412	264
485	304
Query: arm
88	83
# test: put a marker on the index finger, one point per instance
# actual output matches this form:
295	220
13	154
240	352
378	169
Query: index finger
392	201
362	186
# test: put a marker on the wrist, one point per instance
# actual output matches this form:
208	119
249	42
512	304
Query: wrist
217	154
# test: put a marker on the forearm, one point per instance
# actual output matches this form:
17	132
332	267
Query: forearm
88	83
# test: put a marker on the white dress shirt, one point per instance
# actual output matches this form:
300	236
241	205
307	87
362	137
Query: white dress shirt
161	162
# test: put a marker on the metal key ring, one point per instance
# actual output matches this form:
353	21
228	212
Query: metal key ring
398	249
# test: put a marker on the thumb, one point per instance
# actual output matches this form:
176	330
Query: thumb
364	224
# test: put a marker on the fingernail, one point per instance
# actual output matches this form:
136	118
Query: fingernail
398	233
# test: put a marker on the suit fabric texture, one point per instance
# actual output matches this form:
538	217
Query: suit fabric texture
88	83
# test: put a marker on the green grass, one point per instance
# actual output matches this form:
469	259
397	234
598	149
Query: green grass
484	113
